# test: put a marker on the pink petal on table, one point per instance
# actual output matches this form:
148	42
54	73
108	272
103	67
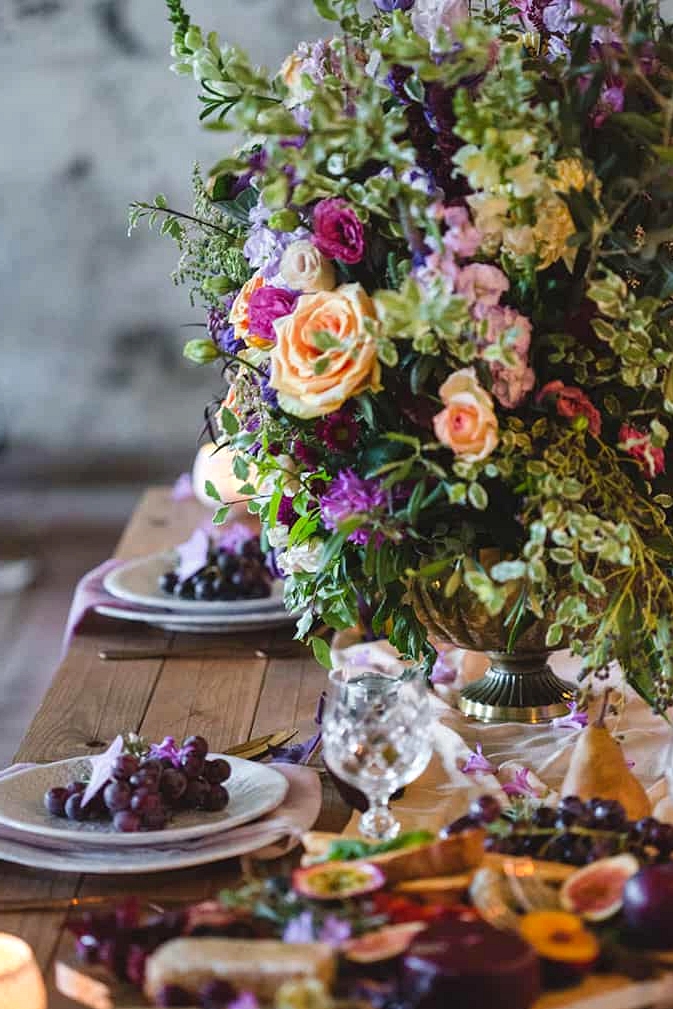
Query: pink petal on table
101	768
192	554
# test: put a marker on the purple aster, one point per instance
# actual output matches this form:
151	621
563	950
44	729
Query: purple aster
304	454
350	495
339	431
477	762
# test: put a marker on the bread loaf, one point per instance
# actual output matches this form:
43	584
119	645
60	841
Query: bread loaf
256	965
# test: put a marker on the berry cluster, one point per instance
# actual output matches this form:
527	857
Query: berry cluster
142	793
575	832
227	575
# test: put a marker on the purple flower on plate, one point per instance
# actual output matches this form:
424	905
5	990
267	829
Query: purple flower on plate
246	1000
300	929
234	536
521	785
575	719
168	749
477	763
303	928
192	554
350	495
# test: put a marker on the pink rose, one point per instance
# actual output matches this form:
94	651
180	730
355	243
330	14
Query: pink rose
265	306
499	320
571	402
511	385
462	237
468	425
338	231
482	284
639	446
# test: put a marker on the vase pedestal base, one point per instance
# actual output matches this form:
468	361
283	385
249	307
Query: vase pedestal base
517	688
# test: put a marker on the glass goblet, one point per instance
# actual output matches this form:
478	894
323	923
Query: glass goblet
376	737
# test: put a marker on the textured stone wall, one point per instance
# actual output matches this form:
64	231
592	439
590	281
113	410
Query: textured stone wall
91	118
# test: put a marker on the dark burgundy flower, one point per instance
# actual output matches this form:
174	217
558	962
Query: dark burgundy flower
338	231
339	431
287	516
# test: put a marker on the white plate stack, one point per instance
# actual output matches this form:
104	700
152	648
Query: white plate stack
137	584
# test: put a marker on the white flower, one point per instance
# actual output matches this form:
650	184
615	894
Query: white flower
302	557
430	16
278	536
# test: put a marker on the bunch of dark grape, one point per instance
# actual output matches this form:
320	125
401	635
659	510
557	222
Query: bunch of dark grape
225	576
141	794
121	941
575	832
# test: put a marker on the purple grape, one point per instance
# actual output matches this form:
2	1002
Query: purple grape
124	766
87	948
154	819
117	796
192	764
544	817
127	915
173	785
609	815
146	778
571	810
196	793
198	744
216	771
144	801
126	822
216	799
75	787
74	809
135	965
173	995
642	830
486	809
217	994
55	800
458	826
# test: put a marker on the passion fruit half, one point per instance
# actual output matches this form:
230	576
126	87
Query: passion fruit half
337	880
596	892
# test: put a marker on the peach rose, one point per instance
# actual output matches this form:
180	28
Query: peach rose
304	268
323	354
468	425
239	316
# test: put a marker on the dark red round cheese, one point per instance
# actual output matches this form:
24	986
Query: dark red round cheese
470	965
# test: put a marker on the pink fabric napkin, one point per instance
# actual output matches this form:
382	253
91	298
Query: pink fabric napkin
277	833
90	593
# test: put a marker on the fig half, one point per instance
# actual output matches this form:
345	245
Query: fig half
596	892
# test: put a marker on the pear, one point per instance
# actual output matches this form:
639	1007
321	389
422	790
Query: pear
598	770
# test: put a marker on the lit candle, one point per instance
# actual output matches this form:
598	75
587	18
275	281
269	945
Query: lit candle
21	984
216	465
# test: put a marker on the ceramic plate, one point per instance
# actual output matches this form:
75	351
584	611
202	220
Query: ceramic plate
254	789
137	582
195	624
136	861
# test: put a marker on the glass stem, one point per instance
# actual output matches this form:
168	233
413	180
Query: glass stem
378	822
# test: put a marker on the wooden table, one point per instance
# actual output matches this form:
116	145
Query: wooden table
228	698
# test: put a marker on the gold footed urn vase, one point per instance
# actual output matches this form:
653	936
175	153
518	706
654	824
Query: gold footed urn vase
519	685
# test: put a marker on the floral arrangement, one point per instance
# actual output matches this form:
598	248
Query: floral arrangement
439	283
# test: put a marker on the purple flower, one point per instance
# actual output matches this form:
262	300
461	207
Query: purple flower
300	929
388	6
216	319
303	928
610	100
234	536
246	1000
521	785
301	753
265	247
350	495
101	768
304	454
334	931
339	233
478	763
266	305
339	431
226	340
573	720
182	488
166	750
287	516
192	554
269	394
444	671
